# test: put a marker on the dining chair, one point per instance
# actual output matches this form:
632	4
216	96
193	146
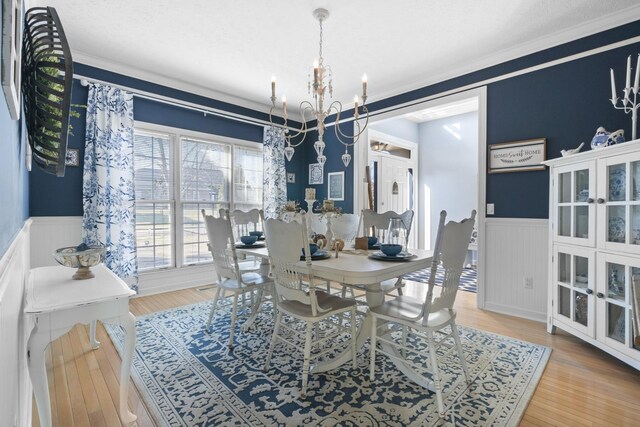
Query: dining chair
423	318
318	222
297	298
345	226
379	222
230	277
243	223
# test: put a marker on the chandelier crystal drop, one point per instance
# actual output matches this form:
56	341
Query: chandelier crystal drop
318	87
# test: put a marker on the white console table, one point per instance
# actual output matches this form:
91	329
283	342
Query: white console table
57	303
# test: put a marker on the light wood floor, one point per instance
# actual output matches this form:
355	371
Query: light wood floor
580	386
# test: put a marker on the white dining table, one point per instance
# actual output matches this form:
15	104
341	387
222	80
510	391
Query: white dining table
353	267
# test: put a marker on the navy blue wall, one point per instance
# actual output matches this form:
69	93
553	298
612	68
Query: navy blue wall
13	177
52	196
565	104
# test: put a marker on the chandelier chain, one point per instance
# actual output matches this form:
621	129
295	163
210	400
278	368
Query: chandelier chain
320	61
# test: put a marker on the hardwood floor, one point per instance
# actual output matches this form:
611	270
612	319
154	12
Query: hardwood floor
581	385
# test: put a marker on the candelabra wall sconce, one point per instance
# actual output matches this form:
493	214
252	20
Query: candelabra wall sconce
630	101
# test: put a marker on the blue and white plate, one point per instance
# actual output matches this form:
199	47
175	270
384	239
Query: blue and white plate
317	255
616	229
617	183
241	245
582	196
402	256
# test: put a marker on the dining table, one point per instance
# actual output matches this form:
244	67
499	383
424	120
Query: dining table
355	268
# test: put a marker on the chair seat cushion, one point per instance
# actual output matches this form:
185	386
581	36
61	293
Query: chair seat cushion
408	309
325	302
252	279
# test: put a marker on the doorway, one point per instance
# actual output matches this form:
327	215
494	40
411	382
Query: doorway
421	197
393	164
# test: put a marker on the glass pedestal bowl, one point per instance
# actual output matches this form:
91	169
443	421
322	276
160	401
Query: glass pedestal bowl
83	260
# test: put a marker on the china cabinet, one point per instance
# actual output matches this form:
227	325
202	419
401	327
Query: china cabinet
594	232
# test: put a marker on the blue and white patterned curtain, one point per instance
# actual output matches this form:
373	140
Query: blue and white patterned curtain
274	190
108	188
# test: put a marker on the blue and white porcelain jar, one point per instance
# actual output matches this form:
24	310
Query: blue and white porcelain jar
602	138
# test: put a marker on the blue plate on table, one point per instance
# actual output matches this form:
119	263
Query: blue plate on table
319	254
241	245
402	256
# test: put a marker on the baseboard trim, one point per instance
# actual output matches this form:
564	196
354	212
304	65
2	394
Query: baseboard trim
514	311
156	282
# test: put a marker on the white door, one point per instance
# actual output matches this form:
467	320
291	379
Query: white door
394	172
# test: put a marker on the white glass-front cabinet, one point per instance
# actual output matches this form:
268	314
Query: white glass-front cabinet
574	281
594	251
575	209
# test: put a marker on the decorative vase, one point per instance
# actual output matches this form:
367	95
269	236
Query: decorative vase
602	138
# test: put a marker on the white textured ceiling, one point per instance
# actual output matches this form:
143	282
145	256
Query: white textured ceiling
234	47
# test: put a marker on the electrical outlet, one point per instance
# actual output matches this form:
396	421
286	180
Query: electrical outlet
490	209
528	282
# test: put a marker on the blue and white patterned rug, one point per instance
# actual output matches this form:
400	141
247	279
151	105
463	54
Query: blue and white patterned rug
468	278
187	377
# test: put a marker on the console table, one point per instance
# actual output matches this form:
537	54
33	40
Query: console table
57	303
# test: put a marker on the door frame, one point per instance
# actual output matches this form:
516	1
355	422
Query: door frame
413	162
361	159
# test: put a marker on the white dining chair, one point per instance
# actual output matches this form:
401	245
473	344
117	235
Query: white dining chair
230	277
299	300
376	224
242	224
318	222
345	226
423	318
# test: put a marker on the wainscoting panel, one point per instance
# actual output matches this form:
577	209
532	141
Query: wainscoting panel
49	233
516	249
15	385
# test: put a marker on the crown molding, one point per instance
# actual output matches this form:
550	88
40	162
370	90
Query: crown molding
567	35
149	76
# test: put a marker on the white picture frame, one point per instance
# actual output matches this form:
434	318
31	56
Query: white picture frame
12	23
316	174
291	178
335	186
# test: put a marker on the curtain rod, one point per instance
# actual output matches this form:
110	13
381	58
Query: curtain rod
84	81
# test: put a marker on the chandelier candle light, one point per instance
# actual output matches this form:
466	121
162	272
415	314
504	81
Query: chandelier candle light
322	81
628	105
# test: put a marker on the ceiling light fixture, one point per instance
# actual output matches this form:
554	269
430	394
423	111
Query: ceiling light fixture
321	82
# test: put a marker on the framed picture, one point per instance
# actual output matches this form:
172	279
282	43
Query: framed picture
336	186
517	156
291	178
11	54
73	157
316	173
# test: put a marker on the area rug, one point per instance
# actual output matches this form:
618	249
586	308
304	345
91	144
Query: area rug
468	278
188	377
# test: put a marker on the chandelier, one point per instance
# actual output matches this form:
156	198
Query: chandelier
318	87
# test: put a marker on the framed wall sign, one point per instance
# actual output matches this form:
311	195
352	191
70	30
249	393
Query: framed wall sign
291	178
336	186
316	173
11	54
517	156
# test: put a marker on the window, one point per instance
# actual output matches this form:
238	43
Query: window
153	185
176	176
